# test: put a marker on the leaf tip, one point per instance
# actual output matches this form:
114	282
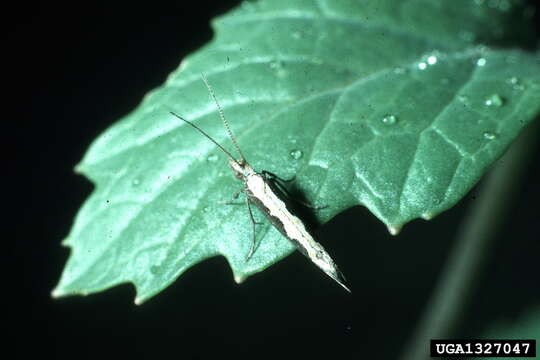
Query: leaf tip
79	168
427	216
239	278
394	229
138	300
57	293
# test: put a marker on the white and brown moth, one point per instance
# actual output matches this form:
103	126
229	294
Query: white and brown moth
263	190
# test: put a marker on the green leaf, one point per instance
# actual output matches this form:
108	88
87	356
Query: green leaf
390	104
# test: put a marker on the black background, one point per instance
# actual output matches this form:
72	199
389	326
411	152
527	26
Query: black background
74	71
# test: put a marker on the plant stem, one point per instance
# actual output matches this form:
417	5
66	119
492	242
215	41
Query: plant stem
447	307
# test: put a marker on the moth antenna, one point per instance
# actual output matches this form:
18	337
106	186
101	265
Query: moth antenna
222	116
205	134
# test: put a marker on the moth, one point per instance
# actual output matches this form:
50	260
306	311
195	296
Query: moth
264	191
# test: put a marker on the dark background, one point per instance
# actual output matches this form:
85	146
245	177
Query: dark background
74	71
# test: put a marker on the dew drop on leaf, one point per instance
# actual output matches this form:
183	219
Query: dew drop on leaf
297	35
276	64
494	100
296	154
317	60
481	62
489	135
278	67
515	83
432	60
389	119
135	182
292	139
512	80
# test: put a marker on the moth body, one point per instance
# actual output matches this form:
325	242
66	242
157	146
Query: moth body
265	196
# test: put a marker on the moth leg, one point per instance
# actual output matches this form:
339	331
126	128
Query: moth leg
234	197
290	196
253	223
277	180
273	176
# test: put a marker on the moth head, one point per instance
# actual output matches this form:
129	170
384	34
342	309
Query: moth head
239	168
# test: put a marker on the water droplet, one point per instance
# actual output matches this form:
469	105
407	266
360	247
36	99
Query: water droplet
494	100
422	65
463	98
399	71
481	62
212	158
389	119
489	135
515	83
297	35
279	69
276	64
513	80
135	182
432	60
296	154
206	209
